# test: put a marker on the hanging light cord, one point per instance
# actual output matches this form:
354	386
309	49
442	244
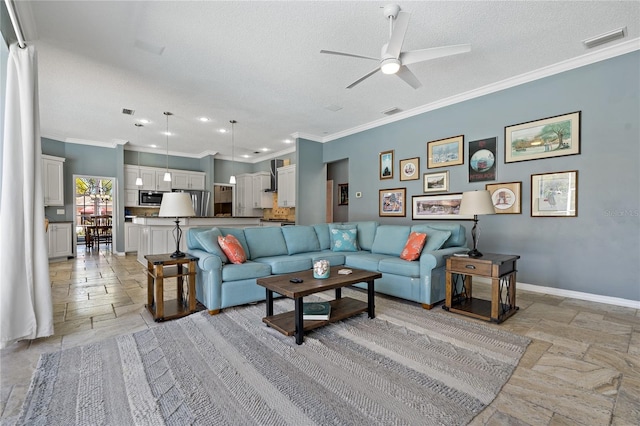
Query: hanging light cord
138	125
167	114
233	155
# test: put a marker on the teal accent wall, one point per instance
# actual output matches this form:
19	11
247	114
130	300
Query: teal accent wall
311	181
596	252
151	159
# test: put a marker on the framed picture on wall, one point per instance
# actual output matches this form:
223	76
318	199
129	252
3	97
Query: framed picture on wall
392	202
549	137
445	152
554	194
436	182
506	197
343	189
410	169
482	160
386	165
445	206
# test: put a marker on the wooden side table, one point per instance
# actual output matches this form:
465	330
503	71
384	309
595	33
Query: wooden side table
500	268
185	303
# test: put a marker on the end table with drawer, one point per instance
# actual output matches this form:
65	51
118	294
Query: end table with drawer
500	268
185	302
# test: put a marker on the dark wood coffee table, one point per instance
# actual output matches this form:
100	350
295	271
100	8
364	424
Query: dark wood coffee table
291	323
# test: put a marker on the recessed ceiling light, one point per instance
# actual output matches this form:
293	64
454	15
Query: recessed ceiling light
153	146
167	133
246	156
288	141
222	130
204	119
265	149
144	121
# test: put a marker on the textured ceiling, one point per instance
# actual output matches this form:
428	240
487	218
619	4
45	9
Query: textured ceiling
259	63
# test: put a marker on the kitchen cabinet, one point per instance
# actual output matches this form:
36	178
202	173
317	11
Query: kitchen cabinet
244	195
131	198
287	186
261	199
187	180
131	236
60	240
161	184
53	180
130	176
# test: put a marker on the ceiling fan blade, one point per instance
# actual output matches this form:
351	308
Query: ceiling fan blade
367	75
409	77
397	36
413	56
331	52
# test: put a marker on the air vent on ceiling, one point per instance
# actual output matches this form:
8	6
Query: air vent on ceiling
128	111
391	111
604	38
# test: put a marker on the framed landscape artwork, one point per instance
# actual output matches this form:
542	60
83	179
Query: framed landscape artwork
392	202
549	137
482	160
445	206
410	169
344	194
506	197
386	165
445	152
436	182
554	194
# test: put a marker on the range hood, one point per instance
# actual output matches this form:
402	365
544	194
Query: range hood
274	175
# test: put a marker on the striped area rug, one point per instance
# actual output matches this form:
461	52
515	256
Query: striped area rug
407	366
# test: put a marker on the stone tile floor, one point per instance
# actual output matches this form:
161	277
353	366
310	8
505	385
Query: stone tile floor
582	367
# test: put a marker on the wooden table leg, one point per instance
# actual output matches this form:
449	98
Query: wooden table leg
269	302
192	285
179	284
150	301
495	300
371	306
299	321
159	292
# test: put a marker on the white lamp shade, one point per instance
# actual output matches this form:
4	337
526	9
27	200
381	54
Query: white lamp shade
167	177
476	203
176	204
232	180
139	181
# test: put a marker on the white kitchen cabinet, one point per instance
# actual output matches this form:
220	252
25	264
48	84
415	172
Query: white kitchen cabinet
261	199
187	180
244	195
131	236
287	186
130	197
53	180
130	177
60	240
161	184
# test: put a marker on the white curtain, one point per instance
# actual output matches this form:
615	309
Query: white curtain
26	310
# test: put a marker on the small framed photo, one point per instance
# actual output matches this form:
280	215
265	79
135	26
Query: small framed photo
386	165
344	194
549	137
506	197
445	152
392	202
410	169
445	206
436	182
554	194
482	160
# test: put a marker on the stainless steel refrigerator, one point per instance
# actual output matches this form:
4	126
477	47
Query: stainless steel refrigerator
200	200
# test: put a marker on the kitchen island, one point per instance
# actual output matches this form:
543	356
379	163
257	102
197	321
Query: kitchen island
156	233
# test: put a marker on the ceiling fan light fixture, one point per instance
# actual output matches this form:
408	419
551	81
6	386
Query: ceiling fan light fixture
390	66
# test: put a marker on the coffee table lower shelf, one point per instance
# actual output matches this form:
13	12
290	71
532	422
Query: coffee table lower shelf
340	309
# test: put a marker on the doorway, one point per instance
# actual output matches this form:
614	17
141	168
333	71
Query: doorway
93	208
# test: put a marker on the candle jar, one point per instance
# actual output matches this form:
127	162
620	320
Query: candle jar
321	269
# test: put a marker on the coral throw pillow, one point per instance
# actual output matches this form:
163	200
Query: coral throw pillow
232	248
414	246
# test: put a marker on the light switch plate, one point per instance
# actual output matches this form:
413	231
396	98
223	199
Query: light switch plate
60	211
358	194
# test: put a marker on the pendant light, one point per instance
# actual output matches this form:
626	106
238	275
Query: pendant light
139	178
232	179
167	175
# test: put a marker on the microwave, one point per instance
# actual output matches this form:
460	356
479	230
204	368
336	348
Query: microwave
149	198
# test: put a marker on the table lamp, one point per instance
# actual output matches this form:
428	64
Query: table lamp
476	203
176	204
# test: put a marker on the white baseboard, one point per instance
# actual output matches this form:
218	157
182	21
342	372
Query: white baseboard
627	303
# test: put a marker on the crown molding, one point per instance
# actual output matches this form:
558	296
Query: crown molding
570	64
265	157
114	143
308	136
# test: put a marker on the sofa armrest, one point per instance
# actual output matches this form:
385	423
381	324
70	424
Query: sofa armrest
435	259
208	261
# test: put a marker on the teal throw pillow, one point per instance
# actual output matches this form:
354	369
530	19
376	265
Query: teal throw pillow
435	239
344	239
209	242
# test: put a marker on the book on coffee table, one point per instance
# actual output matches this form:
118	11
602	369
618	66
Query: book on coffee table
316	311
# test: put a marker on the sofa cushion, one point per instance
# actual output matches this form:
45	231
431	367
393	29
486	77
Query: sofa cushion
458	236
239	234
366	233
300	239
334	258
286	264
435	239
245	271
397	266
232	248
264	241
390	239
364	260
413	247
344	239
322	231
208	241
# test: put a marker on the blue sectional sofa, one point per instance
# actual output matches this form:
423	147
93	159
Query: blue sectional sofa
280	250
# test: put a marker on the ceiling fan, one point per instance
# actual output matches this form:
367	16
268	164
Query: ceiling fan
392	59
